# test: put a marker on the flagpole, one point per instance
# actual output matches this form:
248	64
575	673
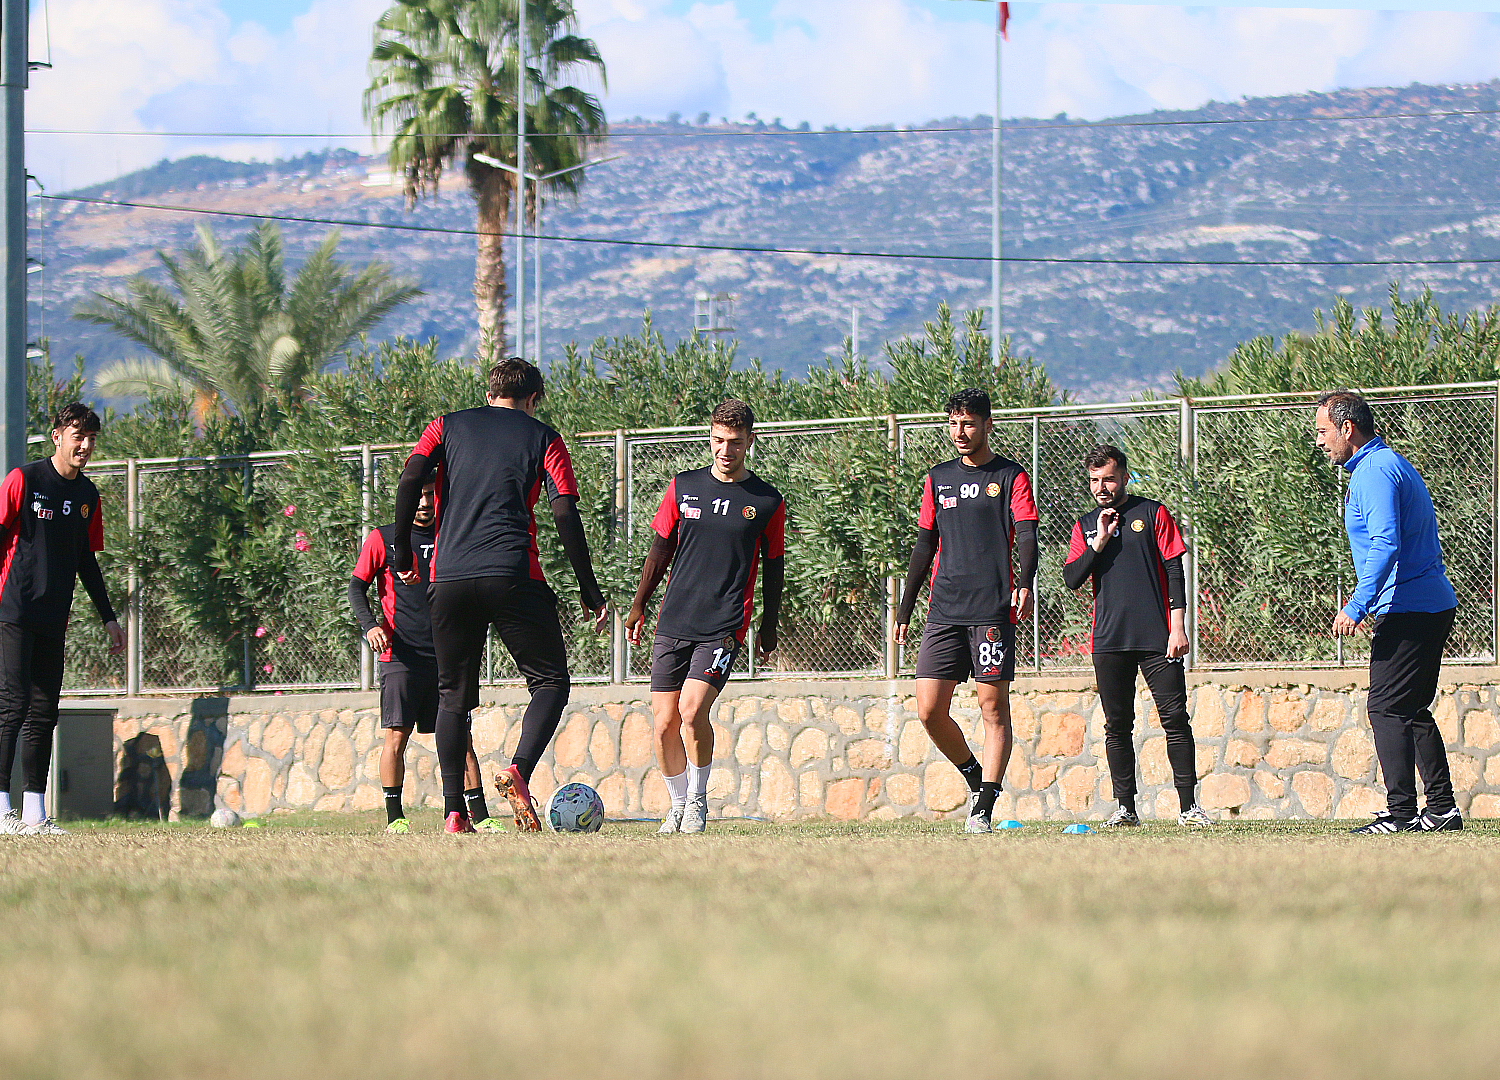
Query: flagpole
997	326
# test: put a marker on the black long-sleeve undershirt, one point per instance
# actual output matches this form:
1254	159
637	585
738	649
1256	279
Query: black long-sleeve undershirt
359	603
772	584
93	582
408	495
925	549
1026	554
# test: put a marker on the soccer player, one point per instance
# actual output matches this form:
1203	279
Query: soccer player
1404	596
1131	549
492	464
402	639
977	512
50	528
713	526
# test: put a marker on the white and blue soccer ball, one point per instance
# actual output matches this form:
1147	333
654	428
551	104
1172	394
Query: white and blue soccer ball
575	808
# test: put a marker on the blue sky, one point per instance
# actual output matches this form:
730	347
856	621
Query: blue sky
300	65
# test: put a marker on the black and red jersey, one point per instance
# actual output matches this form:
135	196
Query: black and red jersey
403	608
51	529
723	529
974	510
491	466
1130	576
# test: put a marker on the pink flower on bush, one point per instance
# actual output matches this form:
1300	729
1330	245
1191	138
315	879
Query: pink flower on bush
290	510
260	631
280	639
301	542
267	669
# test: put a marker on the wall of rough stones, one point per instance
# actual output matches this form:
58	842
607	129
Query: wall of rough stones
784	750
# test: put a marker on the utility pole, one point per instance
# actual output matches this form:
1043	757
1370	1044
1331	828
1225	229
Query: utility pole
13	78
998	325
521	181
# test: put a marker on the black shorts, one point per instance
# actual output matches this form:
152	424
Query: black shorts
956	652
523	610
674	662
408	699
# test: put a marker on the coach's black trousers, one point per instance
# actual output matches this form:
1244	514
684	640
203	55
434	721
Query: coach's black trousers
31	673
1405	655
1167	680
524	612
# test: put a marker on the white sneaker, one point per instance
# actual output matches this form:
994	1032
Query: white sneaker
1194	818
673	821
695	814
976	822
10	822
45	827
1123	818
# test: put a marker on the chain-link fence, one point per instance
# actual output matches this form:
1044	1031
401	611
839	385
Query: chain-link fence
236	569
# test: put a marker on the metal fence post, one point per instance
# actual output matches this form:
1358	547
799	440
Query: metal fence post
892	582
133	582
366	513
248	633
1495	533
620	528
1036	487
1187	423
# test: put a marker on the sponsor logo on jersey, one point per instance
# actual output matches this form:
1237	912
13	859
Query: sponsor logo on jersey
689	498
1138	525
949	502
993	634
694	512
45	515
992	490
749	513
944	487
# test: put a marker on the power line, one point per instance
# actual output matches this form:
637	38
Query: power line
767	250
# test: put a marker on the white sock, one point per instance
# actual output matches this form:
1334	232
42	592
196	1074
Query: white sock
33	808
677	785
698	774
4	802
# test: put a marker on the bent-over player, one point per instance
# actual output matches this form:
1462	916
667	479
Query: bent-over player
713	525
51	525
492	464
401	638
977	511
1131	549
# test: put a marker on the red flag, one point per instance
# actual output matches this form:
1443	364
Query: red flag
1004	19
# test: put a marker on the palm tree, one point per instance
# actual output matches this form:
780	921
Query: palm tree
443	75
232	334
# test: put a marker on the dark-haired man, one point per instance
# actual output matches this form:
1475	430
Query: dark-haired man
401	637
492	464
977	511
1404	595
714	524
50	528
1131	549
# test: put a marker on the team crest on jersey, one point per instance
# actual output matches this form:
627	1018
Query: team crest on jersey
749	513
992	490
731	641
1138	525
993	634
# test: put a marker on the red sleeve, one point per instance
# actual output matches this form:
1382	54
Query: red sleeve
96	527
666	514
431	441
1022	505
12	499
559	468
371	557
1168	538
774	537
927	517
1075	543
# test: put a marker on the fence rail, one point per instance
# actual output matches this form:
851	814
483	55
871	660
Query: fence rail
235	569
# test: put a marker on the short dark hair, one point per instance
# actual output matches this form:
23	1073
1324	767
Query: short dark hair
78	415
1104	454
971	401
733	414
515	378
1347	405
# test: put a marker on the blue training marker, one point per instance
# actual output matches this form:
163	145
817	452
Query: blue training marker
1079	829
1011	824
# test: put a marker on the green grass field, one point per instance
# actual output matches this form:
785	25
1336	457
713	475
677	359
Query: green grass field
317	947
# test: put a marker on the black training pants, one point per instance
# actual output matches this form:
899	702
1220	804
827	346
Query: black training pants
31	673
1167	680
1405	655
524	612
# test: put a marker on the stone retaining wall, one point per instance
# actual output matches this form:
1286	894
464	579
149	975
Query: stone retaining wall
784	750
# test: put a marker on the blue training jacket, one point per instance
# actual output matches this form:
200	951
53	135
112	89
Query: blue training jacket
1392	536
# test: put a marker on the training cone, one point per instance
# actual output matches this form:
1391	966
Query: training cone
1011	824
1078	829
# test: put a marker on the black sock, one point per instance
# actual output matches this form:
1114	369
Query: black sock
1127	804
393	804
989	791
474	797
1185	797
973	773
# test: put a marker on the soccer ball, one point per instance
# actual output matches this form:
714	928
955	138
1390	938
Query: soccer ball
575	808
224	818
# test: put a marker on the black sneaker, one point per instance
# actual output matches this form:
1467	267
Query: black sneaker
1430	821
1386	822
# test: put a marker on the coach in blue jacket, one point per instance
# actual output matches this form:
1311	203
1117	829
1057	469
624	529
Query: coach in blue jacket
1404	595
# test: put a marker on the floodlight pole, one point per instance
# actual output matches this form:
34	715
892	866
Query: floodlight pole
13	79
521	181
